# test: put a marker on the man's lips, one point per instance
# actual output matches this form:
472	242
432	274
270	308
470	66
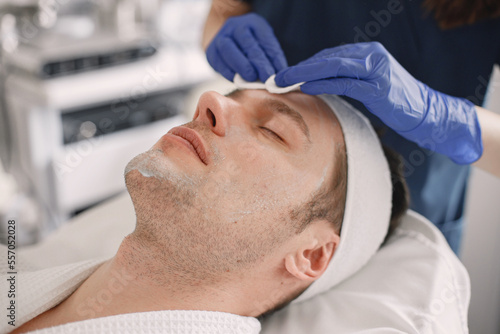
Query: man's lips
193	140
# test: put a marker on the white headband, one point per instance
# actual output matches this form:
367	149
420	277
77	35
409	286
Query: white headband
369	193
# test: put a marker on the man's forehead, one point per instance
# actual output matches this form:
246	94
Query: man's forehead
301	101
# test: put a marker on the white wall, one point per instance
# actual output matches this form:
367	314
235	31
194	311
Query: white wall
481	245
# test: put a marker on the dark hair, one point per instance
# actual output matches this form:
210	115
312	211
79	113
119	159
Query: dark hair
320	206
455	13
400	193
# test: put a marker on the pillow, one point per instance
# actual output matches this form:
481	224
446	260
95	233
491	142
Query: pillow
413	284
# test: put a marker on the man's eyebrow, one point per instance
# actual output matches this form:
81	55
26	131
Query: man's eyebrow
285	109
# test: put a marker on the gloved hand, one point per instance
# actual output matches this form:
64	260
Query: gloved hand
368	73
246	45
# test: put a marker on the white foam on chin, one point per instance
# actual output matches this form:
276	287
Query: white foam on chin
145	173
154	163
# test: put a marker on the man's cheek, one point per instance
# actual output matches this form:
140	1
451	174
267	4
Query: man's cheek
234	169
247	152
217	185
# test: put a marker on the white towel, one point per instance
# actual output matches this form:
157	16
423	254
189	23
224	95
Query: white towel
161	322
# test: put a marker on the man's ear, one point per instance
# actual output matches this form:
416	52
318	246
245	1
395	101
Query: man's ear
316	248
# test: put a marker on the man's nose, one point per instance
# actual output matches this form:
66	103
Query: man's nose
213	109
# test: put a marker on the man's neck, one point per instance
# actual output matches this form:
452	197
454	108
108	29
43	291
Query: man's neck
133	281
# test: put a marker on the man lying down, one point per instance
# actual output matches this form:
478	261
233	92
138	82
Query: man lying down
261	200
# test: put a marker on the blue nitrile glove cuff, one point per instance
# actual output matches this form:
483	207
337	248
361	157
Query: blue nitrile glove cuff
450	127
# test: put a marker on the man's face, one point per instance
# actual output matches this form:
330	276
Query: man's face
223	185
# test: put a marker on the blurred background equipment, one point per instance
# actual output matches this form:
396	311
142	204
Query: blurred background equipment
85	86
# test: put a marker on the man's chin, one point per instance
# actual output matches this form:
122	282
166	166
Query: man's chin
149	164
153	165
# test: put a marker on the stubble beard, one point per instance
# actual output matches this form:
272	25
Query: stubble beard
182	227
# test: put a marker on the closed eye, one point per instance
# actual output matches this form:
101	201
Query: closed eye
272	133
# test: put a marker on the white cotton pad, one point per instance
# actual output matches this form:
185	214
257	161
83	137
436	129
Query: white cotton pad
269	85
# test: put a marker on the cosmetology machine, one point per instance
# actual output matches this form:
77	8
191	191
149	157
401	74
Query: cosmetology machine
86	85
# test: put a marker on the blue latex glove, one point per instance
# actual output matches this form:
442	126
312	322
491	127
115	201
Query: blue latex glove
246	45
368	73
